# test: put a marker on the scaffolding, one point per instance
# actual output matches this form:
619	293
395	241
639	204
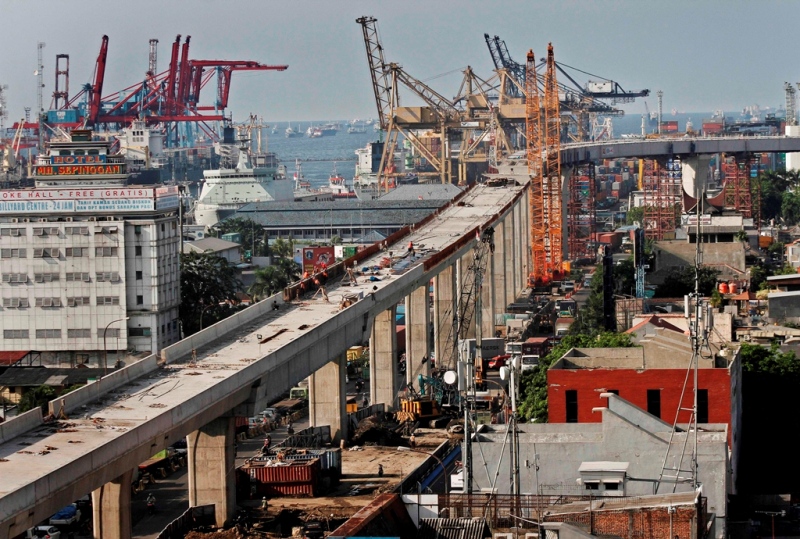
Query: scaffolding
739	192
581	213
663	197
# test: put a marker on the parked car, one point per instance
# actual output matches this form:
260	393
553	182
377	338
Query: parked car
43	532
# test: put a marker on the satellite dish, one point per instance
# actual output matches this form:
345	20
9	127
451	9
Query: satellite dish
504	373
450	377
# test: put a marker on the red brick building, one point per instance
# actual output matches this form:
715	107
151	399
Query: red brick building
650	376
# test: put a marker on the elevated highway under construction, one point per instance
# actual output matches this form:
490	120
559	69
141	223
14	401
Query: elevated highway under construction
94	437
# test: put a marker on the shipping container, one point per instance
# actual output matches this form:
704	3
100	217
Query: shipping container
296	478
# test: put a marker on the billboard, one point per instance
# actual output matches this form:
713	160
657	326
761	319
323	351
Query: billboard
316	256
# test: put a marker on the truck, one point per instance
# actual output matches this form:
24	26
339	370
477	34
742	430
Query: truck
299	392
489	348
535	346
66	520
562	326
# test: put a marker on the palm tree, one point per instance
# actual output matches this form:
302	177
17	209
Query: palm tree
268	281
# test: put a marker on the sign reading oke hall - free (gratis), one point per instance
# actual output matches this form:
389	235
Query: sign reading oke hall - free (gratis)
87	200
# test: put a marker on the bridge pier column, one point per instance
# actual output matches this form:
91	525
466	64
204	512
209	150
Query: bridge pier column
418	318
111	508
694	173
508	240
518	249
526	255
327	398
498	283
212	467
487	298
383	359
443	311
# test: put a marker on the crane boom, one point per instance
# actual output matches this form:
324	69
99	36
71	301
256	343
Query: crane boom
97	85
377	69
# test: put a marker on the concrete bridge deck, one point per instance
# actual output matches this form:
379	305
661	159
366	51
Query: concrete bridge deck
109	427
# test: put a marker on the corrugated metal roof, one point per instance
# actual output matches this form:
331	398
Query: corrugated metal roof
209	244
453	528
372	214
37	376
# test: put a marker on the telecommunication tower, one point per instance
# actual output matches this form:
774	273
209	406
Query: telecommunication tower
39	89
152	63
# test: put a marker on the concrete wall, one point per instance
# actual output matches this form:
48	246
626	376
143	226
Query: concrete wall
562	448
20	424
632	386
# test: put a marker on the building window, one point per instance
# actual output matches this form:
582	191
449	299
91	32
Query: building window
45	231
139	332
108	332
108	277
77	251
610	486
48	333
138	250
79	333
46	252
572	406
15	278
48	302
654	402
77	230
79	301
592	485
13	253
16	232
108	300
137	229
77	276
163	228
139	300
15	333
138	275
45	277
15	303
702	406
105	251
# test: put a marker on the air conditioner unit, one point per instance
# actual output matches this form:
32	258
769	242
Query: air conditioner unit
14	220
25	220
68	219
42	220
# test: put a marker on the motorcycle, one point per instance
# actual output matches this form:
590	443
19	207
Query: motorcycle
151	504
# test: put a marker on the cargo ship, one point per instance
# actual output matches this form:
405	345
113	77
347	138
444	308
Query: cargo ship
230	187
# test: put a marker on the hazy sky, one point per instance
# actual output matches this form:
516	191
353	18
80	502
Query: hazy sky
704	54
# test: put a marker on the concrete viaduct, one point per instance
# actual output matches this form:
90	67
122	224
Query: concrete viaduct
96	436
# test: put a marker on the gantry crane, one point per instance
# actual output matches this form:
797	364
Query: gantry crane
172	96
441	116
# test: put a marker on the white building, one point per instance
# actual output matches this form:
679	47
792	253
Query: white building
89	265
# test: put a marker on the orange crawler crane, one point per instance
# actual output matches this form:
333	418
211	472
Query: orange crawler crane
552	170
536	196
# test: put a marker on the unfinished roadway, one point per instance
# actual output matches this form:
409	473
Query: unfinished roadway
95	436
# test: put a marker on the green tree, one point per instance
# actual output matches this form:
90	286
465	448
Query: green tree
635	215
590	316
283	248
758	276
790	208
533	384
680	281
625	277
274	278
760	359
253	236
38	396
209	284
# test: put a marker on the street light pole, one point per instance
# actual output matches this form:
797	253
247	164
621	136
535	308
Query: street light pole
444	470
202	312
105	349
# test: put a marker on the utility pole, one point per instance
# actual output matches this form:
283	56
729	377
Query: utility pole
39	89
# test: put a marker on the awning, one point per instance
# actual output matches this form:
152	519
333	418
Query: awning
11	357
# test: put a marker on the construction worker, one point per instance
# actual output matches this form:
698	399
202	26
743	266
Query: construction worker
411	248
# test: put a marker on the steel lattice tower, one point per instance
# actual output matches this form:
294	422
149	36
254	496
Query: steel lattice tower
536	193
581	213
552	173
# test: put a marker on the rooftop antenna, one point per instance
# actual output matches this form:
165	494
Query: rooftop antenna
698	337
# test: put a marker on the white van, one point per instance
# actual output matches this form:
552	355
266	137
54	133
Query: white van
529	362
